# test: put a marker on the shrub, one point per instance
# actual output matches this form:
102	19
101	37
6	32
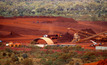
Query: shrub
24	56
73	53
65	49
27	62
1	44
89	56
71	63
77	63
58	62
14	58
49	62
104	55
9	54
20	59
4	54
8	50
43	60
48	51
8	62
55	55
77	47
65	57
48	47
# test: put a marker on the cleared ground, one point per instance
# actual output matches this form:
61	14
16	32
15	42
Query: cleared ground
25	29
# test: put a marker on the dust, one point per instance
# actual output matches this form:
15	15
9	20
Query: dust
51	31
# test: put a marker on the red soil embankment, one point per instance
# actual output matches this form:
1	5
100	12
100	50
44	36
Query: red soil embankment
101	62
62	19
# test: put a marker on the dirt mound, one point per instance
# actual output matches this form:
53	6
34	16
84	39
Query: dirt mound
90	31
65	38
102	62
11	35
62	19
4	33
23	30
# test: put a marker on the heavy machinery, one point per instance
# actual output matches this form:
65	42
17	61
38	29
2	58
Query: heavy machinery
101	37
55	36
11	44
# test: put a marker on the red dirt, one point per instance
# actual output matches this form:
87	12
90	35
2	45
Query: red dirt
94	63
67	37
101	62
29	28
62	19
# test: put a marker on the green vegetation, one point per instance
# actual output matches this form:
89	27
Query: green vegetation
72	55
90	10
